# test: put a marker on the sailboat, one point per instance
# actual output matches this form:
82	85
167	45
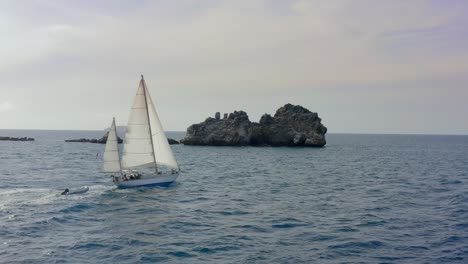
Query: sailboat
147	158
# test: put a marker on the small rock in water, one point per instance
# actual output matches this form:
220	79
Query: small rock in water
172	141
102	140
16	139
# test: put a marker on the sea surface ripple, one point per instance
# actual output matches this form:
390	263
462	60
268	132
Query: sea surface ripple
361	199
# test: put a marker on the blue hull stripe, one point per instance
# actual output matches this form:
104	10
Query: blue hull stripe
160	184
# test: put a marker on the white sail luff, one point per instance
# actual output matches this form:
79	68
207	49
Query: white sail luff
111	158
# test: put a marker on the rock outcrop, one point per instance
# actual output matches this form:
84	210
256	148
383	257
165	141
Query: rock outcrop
16	139
103	140
292	125
172	141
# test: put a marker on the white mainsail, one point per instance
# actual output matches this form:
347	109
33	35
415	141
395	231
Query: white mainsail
145	143
111	159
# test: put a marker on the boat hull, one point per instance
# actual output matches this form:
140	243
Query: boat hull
160	181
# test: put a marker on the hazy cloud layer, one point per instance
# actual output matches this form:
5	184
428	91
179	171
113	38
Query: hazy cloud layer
364	65
5	106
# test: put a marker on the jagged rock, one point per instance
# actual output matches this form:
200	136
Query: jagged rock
225	116
217	115
235	130
266	119
292	125
16	139
172	141
102	140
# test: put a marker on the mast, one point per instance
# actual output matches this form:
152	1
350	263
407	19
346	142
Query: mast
149	123
117	138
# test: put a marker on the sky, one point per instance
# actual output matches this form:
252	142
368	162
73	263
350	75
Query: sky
364	66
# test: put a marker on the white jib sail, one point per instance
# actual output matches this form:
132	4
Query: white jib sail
138	150
162	149
111	159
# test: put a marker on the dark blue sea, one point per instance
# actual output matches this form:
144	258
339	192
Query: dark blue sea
361	199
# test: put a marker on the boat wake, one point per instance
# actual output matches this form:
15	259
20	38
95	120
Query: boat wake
40	196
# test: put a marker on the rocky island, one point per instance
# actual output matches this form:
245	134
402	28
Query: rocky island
16	139
292	125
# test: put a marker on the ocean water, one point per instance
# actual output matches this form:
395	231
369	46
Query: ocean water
361	199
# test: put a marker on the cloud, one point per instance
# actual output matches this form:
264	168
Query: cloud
5	106
244	43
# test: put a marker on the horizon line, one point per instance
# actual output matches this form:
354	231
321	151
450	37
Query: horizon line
335	133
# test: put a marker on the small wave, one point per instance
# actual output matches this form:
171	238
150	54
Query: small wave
446	181
462	226
322	238
372	223
90	245
194	200
447	259
412	248
287	225
207	250
287	222
447	241
252	228
76	208
236	212
287	219
59	220
153	259
190	224
180	254
385	258
374	244
458	199
377	209
347	229
137	242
